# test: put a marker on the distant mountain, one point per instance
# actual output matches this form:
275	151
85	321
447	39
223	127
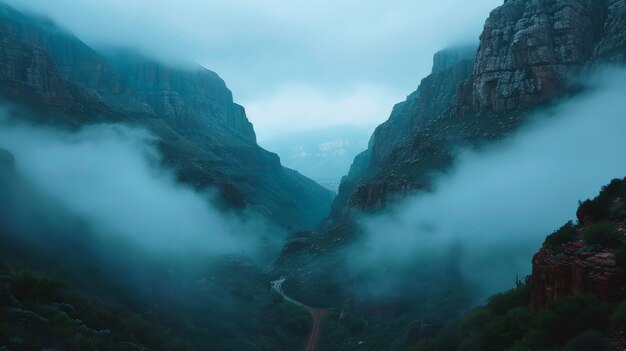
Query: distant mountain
323	155
204	135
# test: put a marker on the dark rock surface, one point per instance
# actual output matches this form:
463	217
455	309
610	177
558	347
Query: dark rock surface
578	270
203	134
530	53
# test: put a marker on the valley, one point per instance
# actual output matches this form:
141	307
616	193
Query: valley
138	210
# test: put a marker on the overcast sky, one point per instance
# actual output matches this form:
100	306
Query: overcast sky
293	64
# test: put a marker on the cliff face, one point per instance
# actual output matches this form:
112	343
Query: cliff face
579	269
193	100
204	135
530	53
372	180
530	50
588	258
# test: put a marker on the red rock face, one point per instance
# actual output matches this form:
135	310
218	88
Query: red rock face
575	271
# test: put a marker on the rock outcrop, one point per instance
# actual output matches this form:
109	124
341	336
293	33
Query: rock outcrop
203	135
530	53
579	269
372	181
569	264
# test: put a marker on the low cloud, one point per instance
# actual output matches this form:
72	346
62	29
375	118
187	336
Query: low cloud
333	46
486	219
109	176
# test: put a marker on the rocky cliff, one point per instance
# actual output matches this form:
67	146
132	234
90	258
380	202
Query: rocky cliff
588	258
530	53
203	134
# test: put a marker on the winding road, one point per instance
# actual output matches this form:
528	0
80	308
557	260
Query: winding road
316	314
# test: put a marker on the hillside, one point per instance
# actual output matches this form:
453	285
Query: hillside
203	135
574	299
531	56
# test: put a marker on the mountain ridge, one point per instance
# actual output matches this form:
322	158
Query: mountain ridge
203	135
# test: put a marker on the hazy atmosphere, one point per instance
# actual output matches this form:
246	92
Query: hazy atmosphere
109	177
402	175
488	216
294	65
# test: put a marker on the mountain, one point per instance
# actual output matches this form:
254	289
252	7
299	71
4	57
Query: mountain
530	56
65	287
575	297
323	155
203	135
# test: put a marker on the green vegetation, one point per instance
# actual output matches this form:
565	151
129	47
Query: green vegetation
609	204
588	340
604	233
222	313
38	312
506	323
565	234
618	318
620	256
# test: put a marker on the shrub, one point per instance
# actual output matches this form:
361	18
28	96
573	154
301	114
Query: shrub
518	297
536	340
603	206
277	298
565	234
572	315
4	331
603	233
588	340
619	316
28	286
63	323
620	256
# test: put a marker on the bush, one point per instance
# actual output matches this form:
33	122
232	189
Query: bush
572	315
4	331
565	234
619	316
518	297
603	233
28	286
604	205
587	341
620	256
277	298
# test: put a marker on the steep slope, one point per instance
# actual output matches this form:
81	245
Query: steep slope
64	288
372	181
203	134
530	54
578	283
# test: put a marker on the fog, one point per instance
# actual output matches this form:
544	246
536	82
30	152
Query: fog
109	176
483	221
324	155
354	58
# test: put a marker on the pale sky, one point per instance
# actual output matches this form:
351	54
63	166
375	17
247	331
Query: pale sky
295	65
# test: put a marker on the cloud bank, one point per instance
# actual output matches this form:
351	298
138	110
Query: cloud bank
109	177
488	217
